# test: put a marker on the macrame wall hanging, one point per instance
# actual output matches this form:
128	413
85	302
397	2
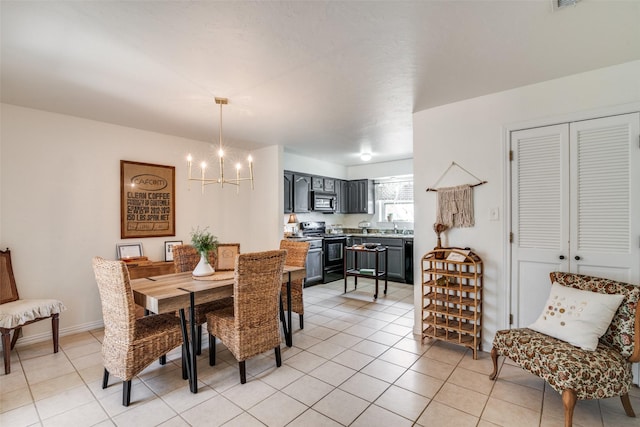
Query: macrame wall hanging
455	204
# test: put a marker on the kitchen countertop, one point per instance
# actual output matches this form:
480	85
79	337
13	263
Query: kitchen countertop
390	235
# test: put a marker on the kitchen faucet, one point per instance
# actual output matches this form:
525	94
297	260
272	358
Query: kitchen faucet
395	228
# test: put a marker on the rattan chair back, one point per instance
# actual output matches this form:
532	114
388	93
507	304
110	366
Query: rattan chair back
258	277
118	307
8	288
296	256
186	257
129	344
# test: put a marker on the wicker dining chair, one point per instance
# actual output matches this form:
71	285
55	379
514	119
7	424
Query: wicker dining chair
129	344
251	325
185	258
16	313
296	256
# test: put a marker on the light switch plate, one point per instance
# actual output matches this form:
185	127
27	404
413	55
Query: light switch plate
494	214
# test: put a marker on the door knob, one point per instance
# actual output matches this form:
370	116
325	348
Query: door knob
577	258
561	257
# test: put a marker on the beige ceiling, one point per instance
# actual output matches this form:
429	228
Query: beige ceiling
324	79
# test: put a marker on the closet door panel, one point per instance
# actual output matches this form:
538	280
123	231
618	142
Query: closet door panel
540	186
605	189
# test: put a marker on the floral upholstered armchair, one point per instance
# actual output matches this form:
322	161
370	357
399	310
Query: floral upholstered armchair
575	372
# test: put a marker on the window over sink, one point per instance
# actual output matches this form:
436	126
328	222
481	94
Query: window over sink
394	198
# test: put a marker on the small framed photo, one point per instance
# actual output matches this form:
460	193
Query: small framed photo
128	250
226	259
168	249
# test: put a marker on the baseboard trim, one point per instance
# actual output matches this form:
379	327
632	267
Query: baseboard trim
46	336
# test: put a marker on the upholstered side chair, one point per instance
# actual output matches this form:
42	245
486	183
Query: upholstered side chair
296	256
251	325
185	258
16	313
129	344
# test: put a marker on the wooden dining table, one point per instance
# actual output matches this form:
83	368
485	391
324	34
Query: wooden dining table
181	291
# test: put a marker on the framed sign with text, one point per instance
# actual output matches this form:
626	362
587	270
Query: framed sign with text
147	200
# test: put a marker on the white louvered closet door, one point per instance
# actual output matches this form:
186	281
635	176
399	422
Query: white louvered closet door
605	197
575	206
540	225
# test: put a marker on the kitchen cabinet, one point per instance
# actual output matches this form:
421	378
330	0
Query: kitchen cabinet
288	192
314	265
301	191
329	185
338	190
360	196
355	196
317	183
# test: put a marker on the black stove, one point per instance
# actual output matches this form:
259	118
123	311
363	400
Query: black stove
332	247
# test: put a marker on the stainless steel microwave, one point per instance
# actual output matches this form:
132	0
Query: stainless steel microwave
323	202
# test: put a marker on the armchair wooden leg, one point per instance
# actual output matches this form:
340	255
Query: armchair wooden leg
301	321
6	349
278	357
16	334
212	350
55	327
569	402
243	372
626	403
494	359
105	379
126	392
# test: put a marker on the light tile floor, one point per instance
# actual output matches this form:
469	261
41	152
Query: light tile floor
355	363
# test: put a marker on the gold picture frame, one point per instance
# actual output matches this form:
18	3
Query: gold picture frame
147	200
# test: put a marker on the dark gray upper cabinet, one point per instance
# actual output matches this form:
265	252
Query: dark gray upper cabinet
288	192
338	189
317	183
359	196
301	191
329	185
352	196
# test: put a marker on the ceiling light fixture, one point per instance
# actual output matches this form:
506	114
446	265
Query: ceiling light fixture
365	157
221	179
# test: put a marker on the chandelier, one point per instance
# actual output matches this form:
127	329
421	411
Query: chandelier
221	177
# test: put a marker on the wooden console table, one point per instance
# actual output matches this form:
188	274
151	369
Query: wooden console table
149	269
356	272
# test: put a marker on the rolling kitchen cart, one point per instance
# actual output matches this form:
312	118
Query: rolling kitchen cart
452	297
370	273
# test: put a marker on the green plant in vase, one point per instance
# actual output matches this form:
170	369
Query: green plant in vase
204	242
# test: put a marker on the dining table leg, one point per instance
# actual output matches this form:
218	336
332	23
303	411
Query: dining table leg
289	335
194	343
287	327
186	352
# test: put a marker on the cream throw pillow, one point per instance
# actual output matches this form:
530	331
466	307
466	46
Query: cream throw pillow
576	316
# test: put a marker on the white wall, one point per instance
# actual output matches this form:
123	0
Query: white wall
380	170
59	205
473	134
297	163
